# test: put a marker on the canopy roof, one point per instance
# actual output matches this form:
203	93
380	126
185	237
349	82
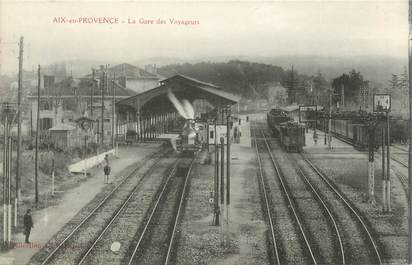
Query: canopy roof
157	101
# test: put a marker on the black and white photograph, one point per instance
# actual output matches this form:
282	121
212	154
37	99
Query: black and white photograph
205	132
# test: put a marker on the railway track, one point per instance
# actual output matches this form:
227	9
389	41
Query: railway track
319	219
267	207
84	232
296	251
127	219
346	221
155	243
369	252
400	148
402	178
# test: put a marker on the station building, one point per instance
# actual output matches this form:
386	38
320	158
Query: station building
65	101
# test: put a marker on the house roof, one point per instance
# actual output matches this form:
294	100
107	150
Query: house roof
82	87
131	71
128	70
180	76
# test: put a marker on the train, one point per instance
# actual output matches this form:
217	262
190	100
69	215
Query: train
291	134
190	140
352	130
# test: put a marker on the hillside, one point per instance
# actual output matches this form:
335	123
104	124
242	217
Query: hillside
240	77
375	68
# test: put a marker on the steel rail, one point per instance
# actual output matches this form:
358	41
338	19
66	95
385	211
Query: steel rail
124	204
182	197
400	148
332	218
364	226
138	244
51	254
280	177
329	212
399	161
402	178
263	184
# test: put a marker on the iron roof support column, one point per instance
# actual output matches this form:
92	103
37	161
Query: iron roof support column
144	128
151	124
137	119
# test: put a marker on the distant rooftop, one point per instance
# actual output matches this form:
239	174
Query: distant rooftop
127	70
71	87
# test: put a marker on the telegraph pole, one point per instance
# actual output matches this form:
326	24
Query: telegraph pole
92	93
228	157
410	135
383	172
5	183
330	121
113	111
20	87
102	86
36	157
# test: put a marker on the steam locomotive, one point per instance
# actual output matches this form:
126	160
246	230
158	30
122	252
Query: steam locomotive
189	141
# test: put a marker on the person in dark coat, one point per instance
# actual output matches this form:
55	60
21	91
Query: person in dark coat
106	169
28	224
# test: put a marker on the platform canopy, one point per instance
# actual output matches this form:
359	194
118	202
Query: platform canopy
156	100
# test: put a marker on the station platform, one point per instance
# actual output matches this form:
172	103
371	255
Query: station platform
321	146
245	227
49	221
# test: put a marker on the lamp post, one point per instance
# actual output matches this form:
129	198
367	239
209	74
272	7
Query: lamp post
228	157
8	114
216	178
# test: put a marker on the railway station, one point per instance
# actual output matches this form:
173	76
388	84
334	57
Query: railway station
255	136
150	114
188	171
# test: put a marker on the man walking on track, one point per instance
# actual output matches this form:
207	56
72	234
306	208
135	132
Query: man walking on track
106	169
28	224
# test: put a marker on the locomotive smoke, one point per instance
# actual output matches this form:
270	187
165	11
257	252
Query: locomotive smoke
184	108
189	109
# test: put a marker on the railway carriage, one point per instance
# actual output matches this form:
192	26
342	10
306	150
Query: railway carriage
355	133
291	134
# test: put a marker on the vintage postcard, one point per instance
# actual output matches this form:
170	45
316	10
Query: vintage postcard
205	132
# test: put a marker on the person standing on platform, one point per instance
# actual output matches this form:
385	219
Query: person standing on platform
28	225
106	169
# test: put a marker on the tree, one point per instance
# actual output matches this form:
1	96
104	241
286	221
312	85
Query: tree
354	88
319	86
241	77
294	85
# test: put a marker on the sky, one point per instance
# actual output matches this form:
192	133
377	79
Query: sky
269	29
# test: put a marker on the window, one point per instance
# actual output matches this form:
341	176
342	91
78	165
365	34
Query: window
211	134
46	123
45	105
